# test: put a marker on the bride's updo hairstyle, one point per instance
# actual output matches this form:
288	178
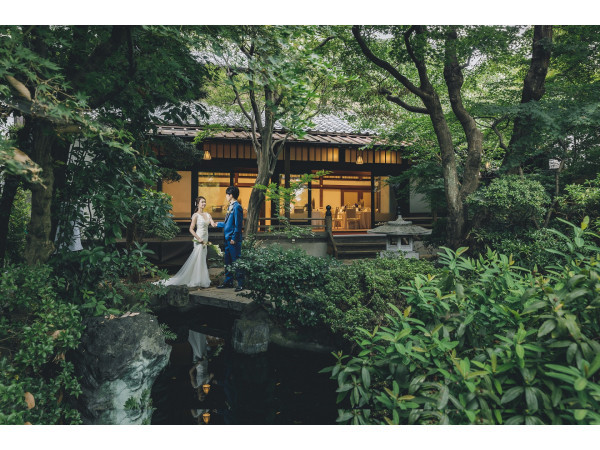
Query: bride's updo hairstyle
197	202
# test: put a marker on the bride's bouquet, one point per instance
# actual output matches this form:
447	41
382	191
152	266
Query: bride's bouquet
211	248
214	249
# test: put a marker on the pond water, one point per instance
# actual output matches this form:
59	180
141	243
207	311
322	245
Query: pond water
279	387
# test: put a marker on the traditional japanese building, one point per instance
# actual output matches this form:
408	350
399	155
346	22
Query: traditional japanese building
355	188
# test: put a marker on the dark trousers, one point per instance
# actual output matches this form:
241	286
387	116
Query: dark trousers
232	253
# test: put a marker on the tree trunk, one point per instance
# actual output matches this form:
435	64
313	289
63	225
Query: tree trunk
9	191
257	197
454	81
470	181
39	244
533	90
264	159
456	220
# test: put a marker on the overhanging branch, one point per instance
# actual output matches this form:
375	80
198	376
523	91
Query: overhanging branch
384	64
398	101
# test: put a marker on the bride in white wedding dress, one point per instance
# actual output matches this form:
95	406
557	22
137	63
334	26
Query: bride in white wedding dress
194	273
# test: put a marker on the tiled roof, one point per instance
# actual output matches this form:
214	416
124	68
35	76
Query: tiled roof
326	123
327	129
314	137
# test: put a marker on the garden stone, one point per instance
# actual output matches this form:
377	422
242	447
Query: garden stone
118	361
250	336
177	296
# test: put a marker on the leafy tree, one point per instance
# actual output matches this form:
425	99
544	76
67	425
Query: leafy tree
436	80
55	76
275	76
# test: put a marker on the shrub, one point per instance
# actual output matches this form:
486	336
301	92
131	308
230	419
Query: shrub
509	201
358	294
307	291
156	220
280	278
581	200
36	330
485	342
528	247
99	279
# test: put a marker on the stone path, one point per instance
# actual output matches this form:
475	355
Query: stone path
220	298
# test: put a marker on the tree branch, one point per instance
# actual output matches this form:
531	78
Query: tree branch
254	103
419	64
19	87
494	127
384	64
124	35
255	143
281	143
325	41
398	101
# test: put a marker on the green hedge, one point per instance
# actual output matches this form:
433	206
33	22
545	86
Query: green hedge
486	342
358	294
301	290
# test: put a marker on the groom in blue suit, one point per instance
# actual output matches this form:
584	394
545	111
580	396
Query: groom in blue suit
232	230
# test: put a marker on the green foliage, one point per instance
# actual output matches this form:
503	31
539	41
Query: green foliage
280	278
167	332
306	291
113	185
528	247
485	342
509	201
359	294
154	217
99	279
175	154
34	337
143	403
17	226
580	200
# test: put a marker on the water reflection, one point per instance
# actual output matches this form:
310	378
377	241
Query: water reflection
278	387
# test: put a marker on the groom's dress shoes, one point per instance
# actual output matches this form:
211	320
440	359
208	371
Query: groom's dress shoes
225	285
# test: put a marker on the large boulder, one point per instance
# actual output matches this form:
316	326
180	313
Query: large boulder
118	361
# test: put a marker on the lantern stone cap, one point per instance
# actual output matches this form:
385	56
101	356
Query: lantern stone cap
400	227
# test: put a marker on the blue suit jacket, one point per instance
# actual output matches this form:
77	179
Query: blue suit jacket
233	224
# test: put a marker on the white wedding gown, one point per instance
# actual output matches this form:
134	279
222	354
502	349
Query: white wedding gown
194	273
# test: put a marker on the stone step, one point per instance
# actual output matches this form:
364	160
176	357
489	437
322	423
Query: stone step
373	245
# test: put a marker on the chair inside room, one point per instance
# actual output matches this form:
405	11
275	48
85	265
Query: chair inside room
352	218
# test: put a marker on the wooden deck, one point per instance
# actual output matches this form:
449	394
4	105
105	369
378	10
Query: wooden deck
220	298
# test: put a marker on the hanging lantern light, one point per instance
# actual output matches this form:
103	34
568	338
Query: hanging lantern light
206	388
206	417
359	159
206	155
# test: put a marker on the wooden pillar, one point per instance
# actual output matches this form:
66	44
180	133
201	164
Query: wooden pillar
286	168
275	205
309	199
372	200
194	188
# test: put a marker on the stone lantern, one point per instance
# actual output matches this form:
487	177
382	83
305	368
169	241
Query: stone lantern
400	234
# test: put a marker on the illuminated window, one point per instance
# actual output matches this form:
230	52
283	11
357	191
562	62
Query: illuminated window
181	194
212	186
